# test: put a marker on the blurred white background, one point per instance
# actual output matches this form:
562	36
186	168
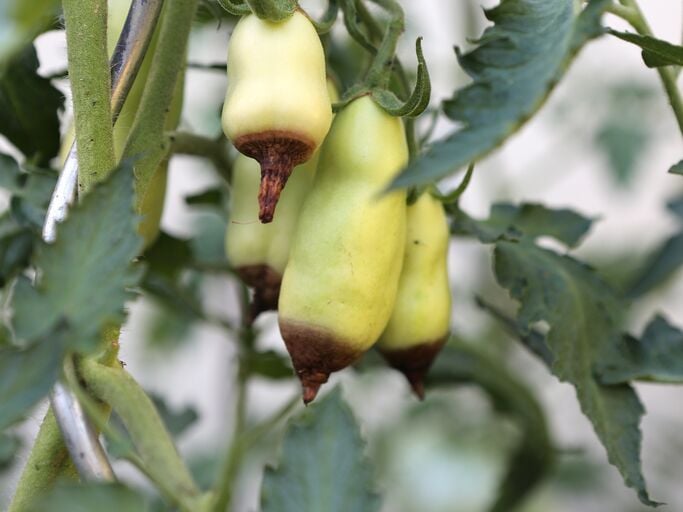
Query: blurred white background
447	454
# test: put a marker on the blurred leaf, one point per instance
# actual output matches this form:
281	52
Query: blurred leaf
102	497
168	255
176	421
658	267
675	206
21	21
8	449
268	364
655	51
677	168
169	325
533	458
657	356
26	376
28	107
212	197
518	62
208	246
86	275
16	245
584	317
625	132
323	466
511	222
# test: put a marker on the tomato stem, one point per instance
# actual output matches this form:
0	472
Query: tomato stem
90	77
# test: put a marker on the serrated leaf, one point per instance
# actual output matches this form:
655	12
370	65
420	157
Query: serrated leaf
85	276
103	497
655	51
657	356
531	338
28	107
322	466
26	376
531	220
584	317
515	67
534	456
659	266
677	168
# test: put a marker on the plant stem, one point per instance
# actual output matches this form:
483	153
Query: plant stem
632	13
197	145
146	139
147	431
375	32
48	461
86	37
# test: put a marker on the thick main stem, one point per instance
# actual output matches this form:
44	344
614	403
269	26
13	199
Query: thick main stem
89	74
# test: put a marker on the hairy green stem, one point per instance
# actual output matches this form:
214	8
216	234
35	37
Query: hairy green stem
146	140
632	13
86	39
48	461
152	441
215	150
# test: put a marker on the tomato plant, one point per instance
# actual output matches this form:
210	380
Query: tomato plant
337	243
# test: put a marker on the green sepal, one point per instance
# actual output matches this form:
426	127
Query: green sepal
273	10
235	7
353	27
419	98
327	21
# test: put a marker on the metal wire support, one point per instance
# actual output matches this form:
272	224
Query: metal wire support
79	436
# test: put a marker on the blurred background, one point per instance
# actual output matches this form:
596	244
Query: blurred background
601	146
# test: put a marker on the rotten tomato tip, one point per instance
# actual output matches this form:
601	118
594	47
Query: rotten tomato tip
309	391
278	153
416	380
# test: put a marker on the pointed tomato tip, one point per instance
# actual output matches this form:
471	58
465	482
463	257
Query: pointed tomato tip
418	385
310	391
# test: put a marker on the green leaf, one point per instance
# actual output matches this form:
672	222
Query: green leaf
28	107
16	245
533	339
659	266
584	318
677	168
168	256
176	421
532	220
657	356
655	51
268	364
534	456
8	449
515	67
86	275
21	21
322	465
103	497
26	376
213	198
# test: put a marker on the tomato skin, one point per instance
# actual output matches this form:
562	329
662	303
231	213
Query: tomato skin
340	283
419	324
277	108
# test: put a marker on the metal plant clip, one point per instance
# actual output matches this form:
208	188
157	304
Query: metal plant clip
80	437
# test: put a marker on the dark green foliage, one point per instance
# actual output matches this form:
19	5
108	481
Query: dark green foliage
322	466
